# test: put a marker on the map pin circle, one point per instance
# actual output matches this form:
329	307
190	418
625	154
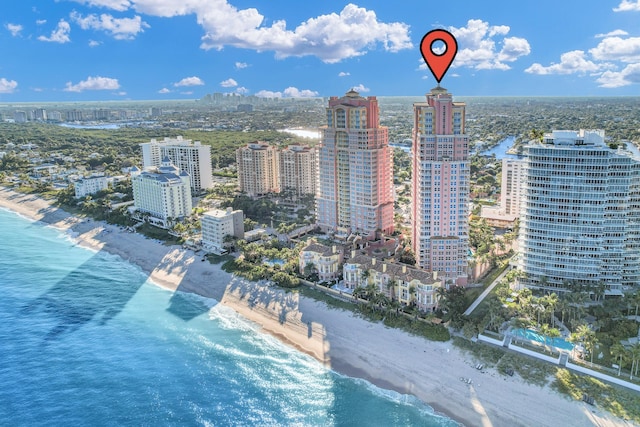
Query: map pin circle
438	63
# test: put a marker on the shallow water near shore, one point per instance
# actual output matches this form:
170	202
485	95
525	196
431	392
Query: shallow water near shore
87	340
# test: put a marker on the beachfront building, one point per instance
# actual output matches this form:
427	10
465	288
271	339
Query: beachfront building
511	191
399	282
355	190
440	190
258	169
326	260
90	185
161	195
580	219
188	156
299	170
217	225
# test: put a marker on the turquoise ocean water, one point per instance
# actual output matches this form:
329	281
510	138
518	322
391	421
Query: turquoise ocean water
86	340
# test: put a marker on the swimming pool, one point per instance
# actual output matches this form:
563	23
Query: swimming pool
558	343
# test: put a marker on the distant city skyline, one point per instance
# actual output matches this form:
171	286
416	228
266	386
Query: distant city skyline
96	50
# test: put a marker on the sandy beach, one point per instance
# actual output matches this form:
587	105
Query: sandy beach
349	345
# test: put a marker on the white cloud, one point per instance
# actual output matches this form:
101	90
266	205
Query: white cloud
189	81
120	29
513	48
361	88
14	29
121	93
93	83
293	92
241	65
268	94
242	90
617	49
60	34
7	86
164	90
570	63
119	5
627	6
344	74
41	21
477	46
332	37
612	79
188	92
290	92
229	83
94	43
611	34
603	61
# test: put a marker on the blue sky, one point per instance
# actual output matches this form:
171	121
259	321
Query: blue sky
82	50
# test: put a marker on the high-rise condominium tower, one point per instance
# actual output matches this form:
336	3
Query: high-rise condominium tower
440	190
355	193
258	169
299	170
580	219
190	157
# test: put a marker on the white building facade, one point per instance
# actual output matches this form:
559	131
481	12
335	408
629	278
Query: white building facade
580	219
90	185
188	156
217	224
511	192
325	259
164	194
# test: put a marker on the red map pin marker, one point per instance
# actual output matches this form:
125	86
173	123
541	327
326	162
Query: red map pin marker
438	63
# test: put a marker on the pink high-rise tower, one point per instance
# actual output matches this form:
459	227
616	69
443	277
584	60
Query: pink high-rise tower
355	173
440	190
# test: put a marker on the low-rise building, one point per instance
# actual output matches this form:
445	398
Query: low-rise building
325	259
399	282
217	224
90	185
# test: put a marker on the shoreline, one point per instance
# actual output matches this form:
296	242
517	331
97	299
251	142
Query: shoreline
388	358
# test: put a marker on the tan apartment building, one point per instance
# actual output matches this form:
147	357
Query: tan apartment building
258	169
398	282
299	169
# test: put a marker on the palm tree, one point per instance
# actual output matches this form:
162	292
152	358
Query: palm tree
635	356
618	352
364	276
382	300
412	293
562	306
635	300
495	309
538	308
441	297
536	134
552	302
588	337
358	293
544	330
395	306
